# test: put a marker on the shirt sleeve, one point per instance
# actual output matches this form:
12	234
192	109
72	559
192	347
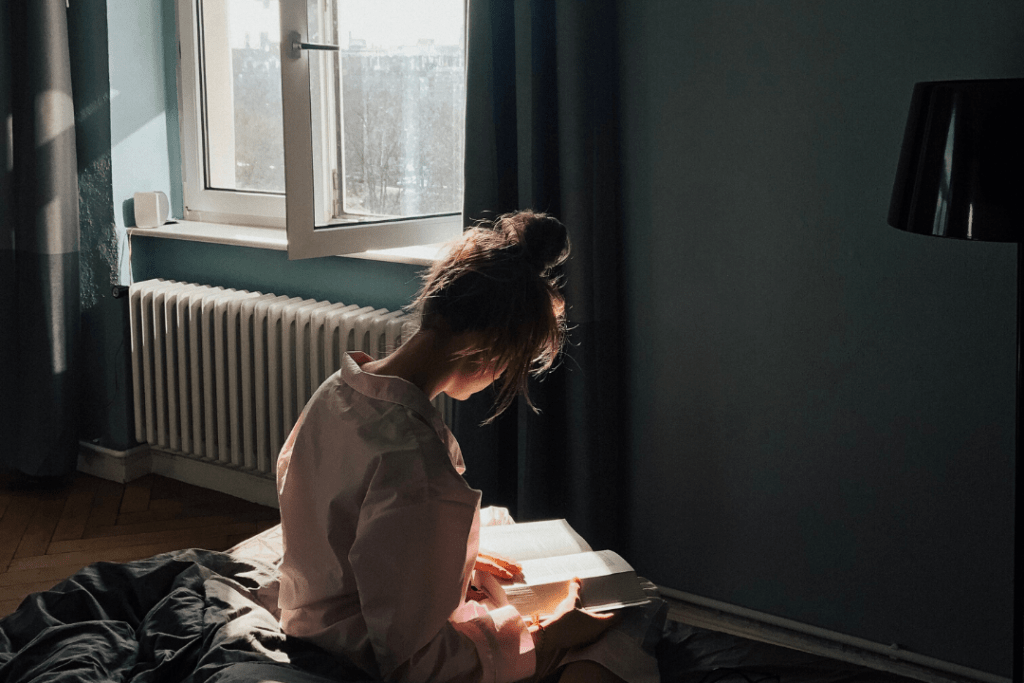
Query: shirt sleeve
409	561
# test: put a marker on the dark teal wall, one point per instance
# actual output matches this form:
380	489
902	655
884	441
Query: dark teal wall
821	423
105	408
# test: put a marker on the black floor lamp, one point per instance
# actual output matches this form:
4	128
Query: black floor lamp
961	175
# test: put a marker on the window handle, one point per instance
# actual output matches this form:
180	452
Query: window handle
298	46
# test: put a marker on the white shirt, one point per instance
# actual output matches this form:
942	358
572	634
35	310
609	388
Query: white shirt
380	536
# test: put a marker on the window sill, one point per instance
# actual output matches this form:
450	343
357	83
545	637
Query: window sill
275	239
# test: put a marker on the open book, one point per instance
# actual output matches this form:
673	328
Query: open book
552	554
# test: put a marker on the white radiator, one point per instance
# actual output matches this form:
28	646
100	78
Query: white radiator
221	374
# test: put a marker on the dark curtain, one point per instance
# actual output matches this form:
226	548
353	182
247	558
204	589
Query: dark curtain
39	242
542	134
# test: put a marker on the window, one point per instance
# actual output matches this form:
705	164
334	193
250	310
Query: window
367	141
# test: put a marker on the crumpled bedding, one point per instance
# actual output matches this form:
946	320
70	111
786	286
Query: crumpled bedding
194	616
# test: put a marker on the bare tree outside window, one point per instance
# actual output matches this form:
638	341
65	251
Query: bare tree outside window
259	139
403	141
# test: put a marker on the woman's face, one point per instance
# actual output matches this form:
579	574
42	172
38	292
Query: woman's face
472	376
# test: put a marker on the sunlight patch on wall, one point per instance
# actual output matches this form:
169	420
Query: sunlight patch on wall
55	115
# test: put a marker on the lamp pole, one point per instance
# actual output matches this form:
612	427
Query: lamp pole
1018	477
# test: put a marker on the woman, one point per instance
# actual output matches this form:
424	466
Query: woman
380	529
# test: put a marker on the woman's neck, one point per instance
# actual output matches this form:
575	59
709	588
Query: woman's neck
427	360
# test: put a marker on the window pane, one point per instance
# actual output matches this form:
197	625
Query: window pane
399	142
243	132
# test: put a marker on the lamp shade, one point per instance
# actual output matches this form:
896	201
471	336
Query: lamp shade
961	168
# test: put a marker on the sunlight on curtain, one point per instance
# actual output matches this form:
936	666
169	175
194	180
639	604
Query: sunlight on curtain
40	290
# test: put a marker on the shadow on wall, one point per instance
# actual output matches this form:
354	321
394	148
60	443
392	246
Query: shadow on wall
128	211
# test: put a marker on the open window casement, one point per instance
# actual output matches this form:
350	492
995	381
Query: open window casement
373	95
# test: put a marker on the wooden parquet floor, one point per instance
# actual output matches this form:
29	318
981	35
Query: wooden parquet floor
47	535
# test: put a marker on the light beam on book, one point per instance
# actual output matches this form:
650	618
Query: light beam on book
552	554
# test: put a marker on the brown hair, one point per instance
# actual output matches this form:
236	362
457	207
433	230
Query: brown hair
496	281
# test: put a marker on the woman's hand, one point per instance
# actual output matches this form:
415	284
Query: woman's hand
568	627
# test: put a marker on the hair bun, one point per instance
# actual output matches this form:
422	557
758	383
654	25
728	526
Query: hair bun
543	239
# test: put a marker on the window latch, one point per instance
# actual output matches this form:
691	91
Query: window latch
298	46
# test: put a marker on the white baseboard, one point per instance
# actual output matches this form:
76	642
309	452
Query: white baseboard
739	621
243	484
124	466
119	466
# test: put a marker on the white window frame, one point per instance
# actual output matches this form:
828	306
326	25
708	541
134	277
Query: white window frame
294	211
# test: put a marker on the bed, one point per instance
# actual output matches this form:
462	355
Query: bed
200	616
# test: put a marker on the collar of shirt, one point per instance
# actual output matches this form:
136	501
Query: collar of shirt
402	392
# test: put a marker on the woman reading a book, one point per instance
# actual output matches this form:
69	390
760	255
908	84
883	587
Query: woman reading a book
380	530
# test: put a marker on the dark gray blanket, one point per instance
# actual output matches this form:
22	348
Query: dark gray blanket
192	616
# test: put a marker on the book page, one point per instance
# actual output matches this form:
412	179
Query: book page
532	540
608	582
563	568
